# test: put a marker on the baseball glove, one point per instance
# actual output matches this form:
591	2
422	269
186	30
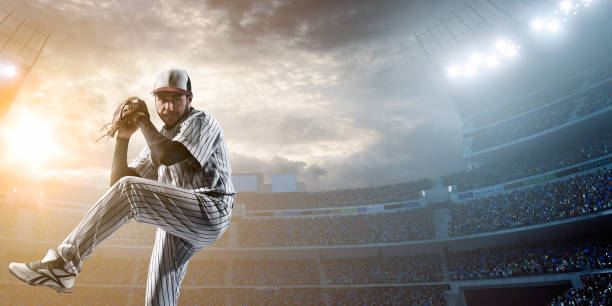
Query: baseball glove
123	116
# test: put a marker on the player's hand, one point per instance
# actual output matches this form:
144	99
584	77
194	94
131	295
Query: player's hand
126	131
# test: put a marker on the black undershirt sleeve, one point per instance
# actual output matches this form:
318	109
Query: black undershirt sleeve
163	150
120	167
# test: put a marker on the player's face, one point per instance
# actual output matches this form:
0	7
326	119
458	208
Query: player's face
171	106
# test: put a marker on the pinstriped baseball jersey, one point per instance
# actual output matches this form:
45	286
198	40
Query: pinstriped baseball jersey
207	170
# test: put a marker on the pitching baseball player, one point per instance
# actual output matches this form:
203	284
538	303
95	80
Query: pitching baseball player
180	183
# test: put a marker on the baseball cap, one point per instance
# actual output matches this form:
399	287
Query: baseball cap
173	80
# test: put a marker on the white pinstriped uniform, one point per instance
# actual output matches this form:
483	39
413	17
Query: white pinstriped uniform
189	202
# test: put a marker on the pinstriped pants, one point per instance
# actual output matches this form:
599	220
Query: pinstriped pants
186	222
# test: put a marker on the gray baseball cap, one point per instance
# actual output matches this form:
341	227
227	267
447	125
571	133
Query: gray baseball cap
173	80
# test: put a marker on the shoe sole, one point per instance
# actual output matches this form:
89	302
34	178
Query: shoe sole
56	288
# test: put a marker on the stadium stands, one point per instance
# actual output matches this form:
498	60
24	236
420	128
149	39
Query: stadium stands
543	119
597	100
596	291
374	270
570	197
535	259
527	165
8	216
335	198
418	295
383	227
275	272
526	125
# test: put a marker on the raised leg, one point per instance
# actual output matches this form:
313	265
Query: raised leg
195	218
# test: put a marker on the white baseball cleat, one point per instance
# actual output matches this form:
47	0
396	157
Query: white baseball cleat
48	272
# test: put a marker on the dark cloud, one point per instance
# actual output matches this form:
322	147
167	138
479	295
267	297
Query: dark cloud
321	24
431	149
242	163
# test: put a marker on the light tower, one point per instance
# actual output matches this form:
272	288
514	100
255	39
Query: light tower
21	43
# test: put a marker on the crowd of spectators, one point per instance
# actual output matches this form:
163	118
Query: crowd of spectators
8	219
512	107
47	224
17	294
578	195
205	296
546	118
204	272
534	259
133	270
383	227
121	281
334	198
377	270
597	99
414	295
570	197
523	126
417	295
524	166
597	291
275	272
294	296
498	262
124	271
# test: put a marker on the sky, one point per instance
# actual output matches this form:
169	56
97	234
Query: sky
338	92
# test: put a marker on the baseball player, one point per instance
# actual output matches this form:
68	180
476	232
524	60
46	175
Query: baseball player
180	183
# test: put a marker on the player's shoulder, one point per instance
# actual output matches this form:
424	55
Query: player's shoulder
202	120
201	117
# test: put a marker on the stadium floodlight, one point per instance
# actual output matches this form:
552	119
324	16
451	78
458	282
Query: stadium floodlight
554	25
476	59
537	24
469	70
8	70
452	71
566	6
506	48
492	61
502	44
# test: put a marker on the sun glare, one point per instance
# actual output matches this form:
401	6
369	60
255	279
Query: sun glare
29	140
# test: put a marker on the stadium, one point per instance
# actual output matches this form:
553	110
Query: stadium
527	223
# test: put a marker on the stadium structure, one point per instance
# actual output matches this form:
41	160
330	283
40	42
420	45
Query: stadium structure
21	44
528	224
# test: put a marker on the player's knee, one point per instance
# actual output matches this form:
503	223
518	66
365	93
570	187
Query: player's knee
125	184
222	228
127	181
